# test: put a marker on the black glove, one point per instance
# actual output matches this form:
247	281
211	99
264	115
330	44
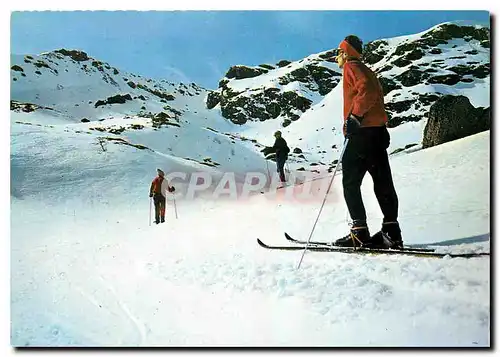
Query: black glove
171	189
150	195
352	125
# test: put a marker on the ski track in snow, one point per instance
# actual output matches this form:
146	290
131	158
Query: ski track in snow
137	324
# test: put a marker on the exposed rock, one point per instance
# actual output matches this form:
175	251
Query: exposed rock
323	78
328	55
453	117
373	51
415	54
388	85
399	107
384	69
266	66
213	98
450	31
448	79
402	62
78	56
119	99
411	77
398	120
242	72
273	109
283	63
223	82
116	99
428	98
158	93
481	71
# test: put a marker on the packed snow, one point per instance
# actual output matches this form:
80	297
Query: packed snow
87	269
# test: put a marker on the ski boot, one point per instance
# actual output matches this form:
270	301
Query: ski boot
392	230
357	237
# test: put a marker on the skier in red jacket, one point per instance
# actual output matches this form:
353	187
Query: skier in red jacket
365	125
158	191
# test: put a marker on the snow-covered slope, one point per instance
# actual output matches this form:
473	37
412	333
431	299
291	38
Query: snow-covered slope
93	273
58	100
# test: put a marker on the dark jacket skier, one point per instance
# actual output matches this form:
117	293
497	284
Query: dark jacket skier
365	125
281	149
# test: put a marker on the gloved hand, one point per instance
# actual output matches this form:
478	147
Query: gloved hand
150	195
352	125
171	189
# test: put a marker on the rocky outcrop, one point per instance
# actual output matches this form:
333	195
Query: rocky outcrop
453	117
17	106
76	55
262	104
213	98
242	72
283	63
402	70
17	68
116	99
422	61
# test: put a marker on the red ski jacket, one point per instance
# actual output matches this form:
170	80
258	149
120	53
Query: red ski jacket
363	95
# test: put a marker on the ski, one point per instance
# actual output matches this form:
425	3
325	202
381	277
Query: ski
289	238
333	249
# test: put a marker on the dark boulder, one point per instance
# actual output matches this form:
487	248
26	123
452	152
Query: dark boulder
454	117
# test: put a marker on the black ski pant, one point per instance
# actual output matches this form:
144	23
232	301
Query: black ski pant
366	151
280	163
160	203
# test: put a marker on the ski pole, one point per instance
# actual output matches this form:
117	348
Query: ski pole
268	173
324	200
175	209
150	204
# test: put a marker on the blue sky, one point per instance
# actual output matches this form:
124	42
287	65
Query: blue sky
200	46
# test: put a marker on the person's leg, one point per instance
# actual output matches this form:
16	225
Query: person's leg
353	171
280	162
163	202
156	199
383	185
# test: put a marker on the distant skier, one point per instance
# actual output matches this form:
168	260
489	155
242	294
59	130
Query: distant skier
365	125
281	149
158	191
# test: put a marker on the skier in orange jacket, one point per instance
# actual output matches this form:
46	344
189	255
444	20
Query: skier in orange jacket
158	191
365	125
